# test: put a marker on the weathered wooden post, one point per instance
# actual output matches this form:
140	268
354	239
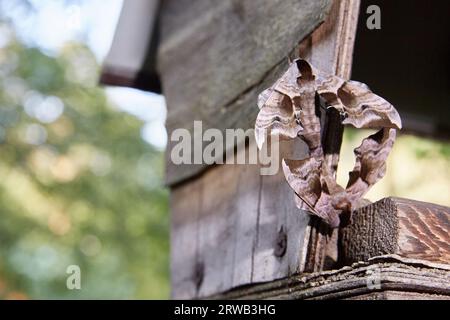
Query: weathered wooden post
232	227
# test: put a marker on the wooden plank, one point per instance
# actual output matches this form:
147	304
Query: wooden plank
215	57
185	210
227	227
282	229
404	227
381	278
226	231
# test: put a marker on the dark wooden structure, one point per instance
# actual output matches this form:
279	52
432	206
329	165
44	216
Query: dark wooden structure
237	234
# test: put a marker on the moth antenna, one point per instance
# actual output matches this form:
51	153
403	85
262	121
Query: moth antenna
308	204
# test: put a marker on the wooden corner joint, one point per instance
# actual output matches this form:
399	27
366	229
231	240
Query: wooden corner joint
394	226
305	104
384	278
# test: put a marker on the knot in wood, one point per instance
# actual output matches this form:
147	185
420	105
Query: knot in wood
281	243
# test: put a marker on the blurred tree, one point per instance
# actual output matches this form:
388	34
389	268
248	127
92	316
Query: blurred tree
78	185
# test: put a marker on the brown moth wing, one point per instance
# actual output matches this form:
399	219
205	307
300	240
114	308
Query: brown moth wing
277	117
333	199
361	108
328	87
288	84
364	109
278	113
313	188
264	96
370	165
303	176
326	211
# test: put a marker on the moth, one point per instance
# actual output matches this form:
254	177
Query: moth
289	109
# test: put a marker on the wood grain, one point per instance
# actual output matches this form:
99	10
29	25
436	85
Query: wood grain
232	227
404	227
374	280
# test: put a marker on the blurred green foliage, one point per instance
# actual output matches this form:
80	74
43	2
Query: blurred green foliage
78	185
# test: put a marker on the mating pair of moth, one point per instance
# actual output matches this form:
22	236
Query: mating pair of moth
290	109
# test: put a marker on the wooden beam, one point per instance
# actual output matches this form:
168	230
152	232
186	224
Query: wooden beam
382	278
408	228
